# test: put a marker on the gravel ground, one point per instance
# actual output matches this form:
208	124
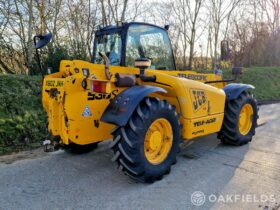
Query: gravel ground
228	177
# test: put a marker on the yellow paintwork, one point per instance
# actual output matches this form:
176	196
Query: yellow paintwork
201	106
196	122
245	119
158	141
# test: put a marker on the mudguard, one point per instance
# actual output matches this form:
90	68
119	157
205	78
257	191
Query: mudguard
234	90
121	108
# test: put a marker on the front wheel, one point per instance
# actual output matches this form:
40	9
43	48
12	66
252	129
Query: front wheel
146	147
240	120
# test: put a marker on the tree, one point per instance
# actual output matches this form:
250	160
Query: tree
187	13
220	11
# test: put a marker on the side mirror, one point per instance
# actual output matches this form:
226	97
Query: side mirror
237	71
42	40
39	42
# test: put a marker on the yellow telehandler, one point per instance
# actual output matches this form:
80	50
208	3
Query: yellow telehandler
132	93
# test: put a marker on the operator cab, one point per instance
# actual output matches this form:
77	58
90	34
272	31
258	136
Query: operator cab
125	43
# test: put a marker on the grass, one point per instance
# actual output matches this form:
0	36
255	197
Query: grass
265	79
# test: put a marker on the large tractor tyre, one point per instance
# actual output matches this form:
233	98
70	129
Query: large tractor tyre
80	149
240	120
146	147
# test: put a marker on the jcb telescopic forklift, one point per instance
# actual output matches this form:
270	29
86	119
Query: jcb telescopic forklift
132	93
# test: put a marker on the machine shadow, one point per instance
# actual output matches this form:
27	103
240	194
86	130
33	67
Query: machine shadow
205	165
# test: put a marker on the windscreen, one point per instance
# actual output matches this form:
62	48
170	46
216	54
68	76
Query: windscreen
144	41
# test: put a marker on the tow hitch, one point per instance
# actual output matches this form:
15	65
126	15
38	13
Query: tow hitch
51	143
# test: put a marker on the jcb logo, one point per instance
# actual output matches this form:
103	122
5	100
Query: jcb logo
198	99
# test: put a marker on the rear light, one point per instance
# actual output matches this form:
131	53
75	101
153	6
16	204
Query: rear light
100	86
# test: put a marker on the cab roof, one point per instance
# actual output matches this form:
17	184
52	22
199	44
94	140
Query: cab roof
121	27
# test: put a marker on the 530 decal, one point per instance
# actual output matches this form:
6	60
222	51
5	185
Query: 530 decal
102	96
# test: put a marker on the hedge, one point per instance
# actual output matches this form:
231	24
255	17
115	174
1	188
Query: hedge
22	118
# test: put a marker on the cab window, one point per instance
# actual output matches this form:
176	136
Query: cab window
145	41
110	45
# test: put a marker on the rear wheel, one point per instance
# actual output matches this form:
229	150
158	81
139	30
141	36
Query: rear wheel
147	146
240	120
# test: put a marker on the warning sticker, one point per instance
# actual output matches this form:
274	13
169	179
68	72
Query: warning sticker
87	112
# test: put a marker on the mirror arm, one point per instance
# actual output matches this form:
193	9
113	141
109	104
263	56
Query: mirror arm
38	57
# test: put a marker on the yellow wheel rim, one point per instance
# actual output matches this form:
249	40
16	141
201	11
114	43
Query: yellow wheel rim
245	119
158	141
